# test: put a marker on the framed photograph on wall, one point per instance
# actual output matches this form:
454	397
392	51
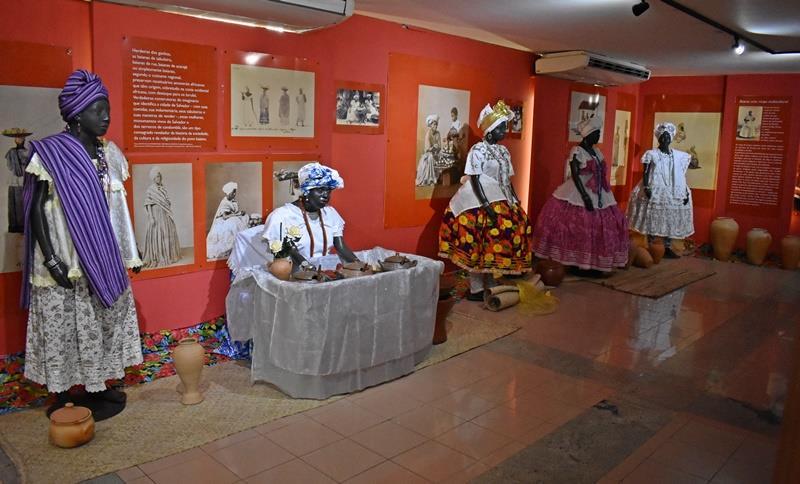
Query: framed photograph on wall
698	135
359	107
515	128
619	150
582	106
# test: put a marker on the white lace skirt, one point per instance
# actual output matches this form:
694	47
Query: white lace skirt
660	216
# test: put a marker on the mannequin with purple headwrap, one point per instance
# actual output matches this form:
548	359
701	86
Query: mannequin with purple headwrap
82	324
661	204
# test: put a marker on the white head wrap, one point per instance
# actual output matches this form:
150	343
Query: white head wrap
229	187
156	170
315	175
668	127
589	125
431	119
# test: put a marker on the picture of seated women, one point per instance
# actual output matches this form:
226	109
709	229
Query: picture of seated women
228	221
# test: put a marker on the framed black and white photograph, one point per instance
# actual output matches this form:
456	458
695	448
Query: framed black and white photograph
163	213
748	123
583	106
284	181
358	107
515	127
26	113
271	102
233	203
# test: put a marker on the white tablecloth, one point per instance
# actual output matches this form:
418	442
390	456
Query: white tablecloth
317	340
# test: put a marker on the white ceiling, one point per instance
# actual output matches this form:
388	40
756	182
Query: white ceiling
663	39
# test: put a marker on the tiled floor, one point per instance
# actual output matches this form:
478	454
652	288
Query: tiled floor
703	357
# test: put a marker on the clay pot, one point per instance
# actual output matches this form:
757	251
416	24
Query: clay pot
637	239
281	268
447	281
189	357
396	261
758	242
723	237
71	426
790	252
631	254
642	258
656	250
353	269
443	308
552	272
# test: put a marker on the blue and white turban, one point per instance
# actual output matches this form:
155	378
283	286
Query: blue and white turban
668	127
314	175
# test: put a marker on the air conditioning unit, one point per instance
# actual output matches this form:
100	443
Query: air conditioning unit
590	68
282	15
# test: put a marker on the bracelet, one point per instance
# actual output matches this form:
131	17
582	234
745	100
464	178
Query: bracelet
52	262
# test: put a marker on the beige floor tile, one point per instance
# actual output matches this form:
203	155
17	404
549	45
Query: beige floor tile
428	421
141	480
389	439
742	472
347	418
467	475
211	447
130	474
169	461
387	473
650	472
434	461
252	456
473	440
710	437
536	433
511	422
268	427
293	472
388	403
343	459
463	404
203	470
544	407
303	436
503	453
699	462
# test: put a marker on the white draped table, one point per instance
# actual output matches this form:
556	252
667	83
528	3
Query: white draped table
314	340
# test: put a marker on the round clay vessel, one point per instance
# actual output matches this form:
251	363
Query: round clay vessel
552	272
758	242
642	258
189	356
443	308
71	426
723	237
790	252
656	250
354	269
631	254
281	268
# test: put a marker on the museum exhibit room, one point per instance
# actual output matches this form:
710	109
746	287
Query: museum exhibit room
400	241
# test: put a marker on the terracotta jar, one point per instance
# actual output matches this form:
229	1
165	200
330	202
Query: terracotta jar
71	426
552	272
443	308
723	237
642	258
189	356
281	268
758	242
790	252
656	250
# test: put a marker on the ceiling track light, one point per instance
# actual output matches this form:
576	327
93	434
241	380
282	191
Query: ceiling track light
640	8
738	46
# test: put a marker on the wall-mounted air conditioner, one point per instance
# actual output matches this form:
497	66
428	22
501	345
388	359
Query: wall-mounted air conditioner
590	68
282	15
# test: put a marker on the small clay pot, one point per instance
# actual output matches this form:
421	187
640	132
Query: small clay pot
642	258
758	242
656	250
354	269
189	356
71	426
790	252
552	272
443	308
281	268
395	262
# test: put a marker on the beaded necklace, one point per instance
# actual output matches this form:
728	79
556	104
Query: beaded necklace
311	234
505	179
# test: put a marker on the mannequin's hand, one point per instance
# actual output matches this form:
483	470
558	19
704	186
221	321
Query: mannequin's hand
648	192
489	214
587	202
686	200
59	273
136	269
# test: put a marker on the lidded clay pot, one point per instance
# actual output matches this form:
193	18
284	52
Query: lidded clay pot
396	261
723	237
281	268
758	242
790	252
71	426
354	269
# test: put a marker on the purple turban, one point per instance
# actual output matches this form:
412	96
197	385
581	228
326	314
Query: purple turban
81	89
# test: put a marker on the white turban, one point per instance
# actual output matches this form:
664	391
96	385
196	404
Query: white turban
668	127
154	171
431	119
314	175
229	187
590	125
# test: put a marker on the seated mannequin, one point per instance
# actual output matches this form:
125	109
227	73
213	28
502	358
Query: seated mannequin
321	226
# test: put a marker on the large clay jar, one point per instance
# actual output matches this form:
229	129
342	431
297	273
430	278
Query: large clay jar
656	250
189	356
642	258
281	268
790	252
723	237
443	308
552	272
758	242
71	426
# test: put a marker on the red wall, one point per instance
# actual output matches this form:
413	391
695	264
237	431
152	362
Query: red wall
356	50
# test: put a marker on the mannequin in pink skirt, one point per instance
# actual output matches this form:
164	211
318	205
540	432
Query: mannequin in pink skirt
581	225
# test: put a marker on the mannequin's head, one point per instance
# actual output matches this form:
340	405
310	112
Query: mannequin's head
664	133
317	198
497	134
592	138
94	120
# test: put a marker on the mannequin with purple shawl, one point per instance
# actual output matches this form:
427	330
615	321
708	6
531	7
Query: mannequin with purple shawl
82	324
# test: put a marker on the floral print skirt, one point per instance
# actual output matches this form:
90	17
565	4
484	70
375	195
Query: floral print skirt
477	243
74	340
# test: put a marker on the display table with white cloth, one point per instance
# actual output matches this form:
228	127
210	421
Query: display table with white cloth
314	340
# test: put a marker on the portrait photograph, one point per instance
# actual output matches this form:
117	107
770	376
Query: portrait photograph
442	141
698	135
358	107
516	125
233	203
26	113
581	107
271	102
619	149
163	214
284	181
748	123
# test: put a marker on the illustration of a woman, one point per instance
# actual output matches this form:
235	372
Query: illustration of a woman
747	131
263	106
248	108
301	108
426	169
228	221
161	245
283	107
